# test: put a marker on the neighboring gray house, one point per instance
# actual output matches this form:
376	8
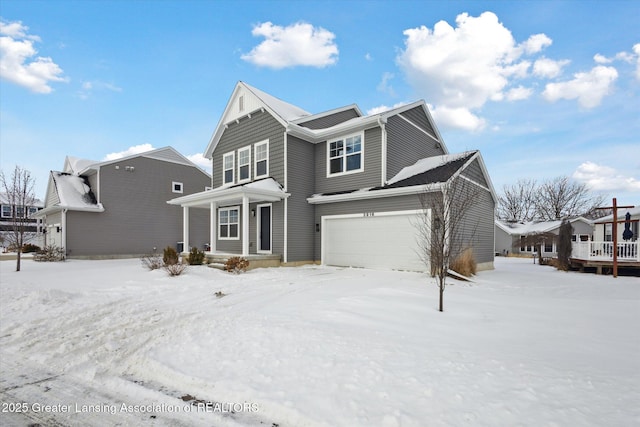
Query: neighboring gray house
118	208
336	188
510	236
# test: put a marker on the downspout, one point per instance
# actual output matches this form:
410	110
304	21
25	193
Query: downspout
64	231
286	205
382	124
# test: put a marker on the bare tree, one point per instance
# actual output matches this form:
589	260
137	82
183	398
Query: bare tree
445	228
20	196
560	198
518	201
536	240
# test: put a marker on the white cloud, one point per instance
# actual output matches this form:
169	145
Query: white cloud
136	149
588	87
604	178
519	93
457	118
384	85
636	50
297	44
89	87
460	69
601	59
17	64
383	108
201	161
536	43
548	68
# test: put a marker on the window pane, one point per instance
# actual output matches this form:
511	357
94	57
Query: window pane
224	230
261	168
243	157
244	172
228	162
353	162
233	230
233	216
224	217
228	176
261	152
335	165
336	149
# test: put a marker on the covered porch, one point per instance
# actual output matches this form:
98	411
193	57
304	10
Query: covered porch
599	255
233	212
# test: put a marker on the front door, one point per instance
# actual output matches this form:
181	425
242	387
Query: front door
264	228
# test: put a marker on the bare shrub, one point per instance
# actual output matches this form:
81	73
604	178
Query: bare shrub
465	263
49	253
175	269
236	265
152	261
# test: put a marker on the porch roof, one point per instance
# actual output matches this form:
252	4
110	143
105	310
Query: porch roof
264	190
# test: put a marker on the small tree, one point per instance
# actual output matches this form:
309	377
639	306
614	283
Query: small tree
20	196
445	229
564	245
536	240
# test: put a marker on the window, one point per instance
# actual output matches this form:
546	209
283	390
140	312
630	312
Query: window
345	155
20	212
228	223
32	210
6	211
176	187
261	151
548	246
608	232
227	169
244	164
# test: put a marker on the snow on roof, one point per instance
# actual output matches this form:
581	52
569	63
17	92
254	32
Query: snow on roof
531	227
268	184
635	213
74	193
287	111
426	164
75	165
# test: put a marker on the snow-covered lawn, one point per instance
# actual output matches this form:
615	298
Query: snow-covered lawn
111	343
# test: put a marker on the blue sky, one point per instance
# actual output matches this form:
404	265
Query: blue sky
542	88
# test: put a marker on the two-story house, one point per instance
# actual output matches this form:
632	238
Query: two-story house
337	188
119	208
12	215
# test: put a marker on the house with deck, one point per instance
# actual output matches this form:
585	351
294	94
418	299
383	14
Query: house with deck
599	252
337	187
117	208
512	237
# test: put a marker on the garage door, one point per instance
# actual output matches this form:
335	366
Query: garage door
386	240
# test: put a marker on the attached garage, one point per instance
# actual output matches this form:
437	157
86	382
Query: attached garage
377	240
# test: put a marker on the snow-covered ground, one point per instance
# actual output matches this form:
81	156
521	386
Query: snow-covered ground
111	343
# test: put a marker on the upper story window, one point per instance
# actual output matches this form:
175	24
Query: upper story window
244	164
227	170
6	211
176	187
261	153
345	155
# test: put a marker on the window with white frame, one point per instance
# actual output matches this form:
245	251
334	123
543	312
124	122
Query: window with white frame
227	169
345	155
228	223
176	187
261	153
244	164
608	232
6	211
20	212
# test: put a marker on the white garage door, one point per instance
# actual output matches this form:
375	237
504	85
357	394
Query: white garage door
380	241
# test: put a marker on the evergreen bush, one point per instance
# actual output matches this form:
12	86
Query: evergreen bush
196	256
170	256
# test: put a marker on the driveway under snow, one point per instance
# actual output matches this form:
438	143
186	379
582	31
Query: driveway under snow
110	343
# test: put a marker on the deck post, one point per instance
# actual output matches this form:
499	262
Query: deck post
213	226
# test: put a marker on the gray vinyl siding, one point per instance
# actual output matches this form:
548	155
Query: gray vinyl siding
407	144
233	246
384	204
417	116
474	172
504	242
331	120
478	227
300	184
137	217
371	176
52	195
261	126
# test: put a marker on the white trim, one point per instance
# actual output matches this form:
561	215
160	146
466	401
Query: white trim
173	187
229	208
383	173
255	159
245	225
231	154
286	230
344	155
286	171
258	230
185	229
213	226
325	218
420	129
248	165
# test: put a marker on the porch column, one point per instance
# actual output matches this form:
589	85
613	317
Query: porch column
213	226
185	228
245	225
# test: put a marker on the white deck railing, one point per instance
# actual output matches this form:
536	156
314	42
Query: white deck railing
603	251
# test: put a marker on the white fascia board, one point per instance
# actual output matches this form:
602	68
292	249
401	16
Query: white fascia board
328	113
208	196
375	194
321	135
